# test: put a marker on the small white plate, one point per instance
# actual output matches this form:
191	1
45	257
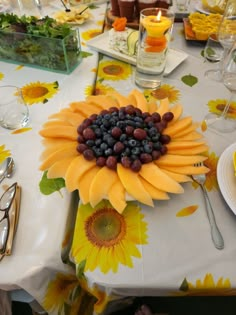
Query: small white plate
100	43
226	178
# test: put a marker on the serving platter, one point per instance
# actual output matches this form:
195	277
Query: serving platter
226	178
188	32
100	43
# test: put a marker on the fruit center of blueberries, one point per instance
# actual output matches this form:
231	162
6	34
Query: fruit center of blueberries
123	135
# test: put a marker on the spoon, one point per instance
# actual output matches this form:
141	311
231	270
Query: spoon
6	168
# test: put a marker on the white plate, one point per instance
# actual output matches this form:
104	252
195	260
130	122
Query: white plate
100	43
226	177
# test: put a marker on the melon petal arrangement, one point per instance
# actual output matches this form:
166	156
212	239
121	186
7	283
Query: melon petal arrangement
122	148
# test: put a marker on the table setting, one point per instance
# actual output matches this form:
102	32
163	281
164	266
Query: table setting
113	188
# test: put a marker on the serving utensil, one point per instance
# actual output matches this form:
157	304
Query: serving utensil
215	232
64	5
6	168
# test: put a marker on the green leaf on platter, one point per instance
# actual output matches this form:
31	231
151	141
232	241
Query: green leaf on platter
49	186
189	80
203	53
80	269
184	285
85	54
92	6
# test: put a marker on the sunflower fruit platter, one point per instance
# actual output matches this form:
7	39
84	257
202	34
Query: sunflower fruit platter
120	148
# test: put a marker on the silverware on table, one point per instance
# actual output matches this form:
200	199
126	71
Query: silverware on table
215	232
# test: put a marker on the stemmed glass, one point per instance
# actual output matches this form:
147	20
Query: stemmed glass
226	37
225	122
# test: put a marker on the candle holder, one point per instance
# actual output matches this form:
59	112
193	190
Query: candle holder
155	30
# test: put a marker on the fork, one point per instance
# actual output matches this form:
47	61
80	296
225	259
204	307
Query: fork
215	232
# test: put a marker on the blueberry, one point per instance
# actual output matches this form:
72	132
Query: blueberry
132	143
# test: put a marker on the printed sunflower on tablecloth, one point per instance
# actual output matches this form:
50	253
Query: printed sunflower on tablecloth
4	153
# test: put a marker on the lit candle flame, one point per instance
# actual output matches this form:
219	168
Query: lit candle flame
158	17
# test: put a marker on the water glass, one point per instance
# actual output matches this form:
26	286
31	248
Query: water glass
14	113
154	36
182	5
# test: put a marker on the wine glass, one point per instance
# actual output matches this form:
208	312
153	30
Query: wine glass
226	37
225	122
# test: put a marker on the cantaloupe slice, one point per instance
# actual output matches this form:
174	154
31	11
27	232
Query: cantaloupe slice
75	119
191	136
84	183
152	107
153	191
184	144
192	127
187	170
172	160
59	168
191	151
177	110
62	153
164	106
86	109
133	186
56	143
140	100
57	123
132	100
101	184
77	169
153	174
120	99
178	126
180	178
116	196
104	101
49	150
59	132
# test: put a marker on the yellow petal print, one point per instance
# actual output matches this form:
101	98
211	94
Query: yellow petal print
39	92
114	70
217	106
165	91
187	211
203	126
100	89
21	130
207	286
105	238
87	35
19	67
3	153
1	75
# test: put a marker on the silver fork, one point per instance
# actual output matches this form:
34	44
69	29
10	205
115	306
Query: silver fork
215	232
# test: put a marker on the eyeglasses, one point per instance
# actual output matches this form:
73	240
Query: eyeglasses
9	214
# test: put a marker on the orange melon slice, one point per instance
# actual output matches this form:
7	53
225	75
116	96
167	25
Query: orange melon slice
132	100
77	169
191	136
84	183
187	170
120	99
116	196
56	123
65	132
172	160
49	150
180	178
178	126
192	127
57	155
56	143
140	100
164	106
153	191
130	180
86	109
191	151
104	101
154	175
59	168
101	184
183	144
75	119
177	110
152	107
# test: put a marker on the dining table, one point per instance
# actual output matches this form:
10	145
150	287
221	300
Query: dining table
166	250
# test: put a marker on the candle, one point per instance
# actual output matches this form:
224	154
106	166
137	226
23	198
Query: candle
156	26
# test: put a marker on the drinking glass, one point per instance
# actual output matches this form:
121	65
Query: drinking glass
213	52
225	122
226	37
